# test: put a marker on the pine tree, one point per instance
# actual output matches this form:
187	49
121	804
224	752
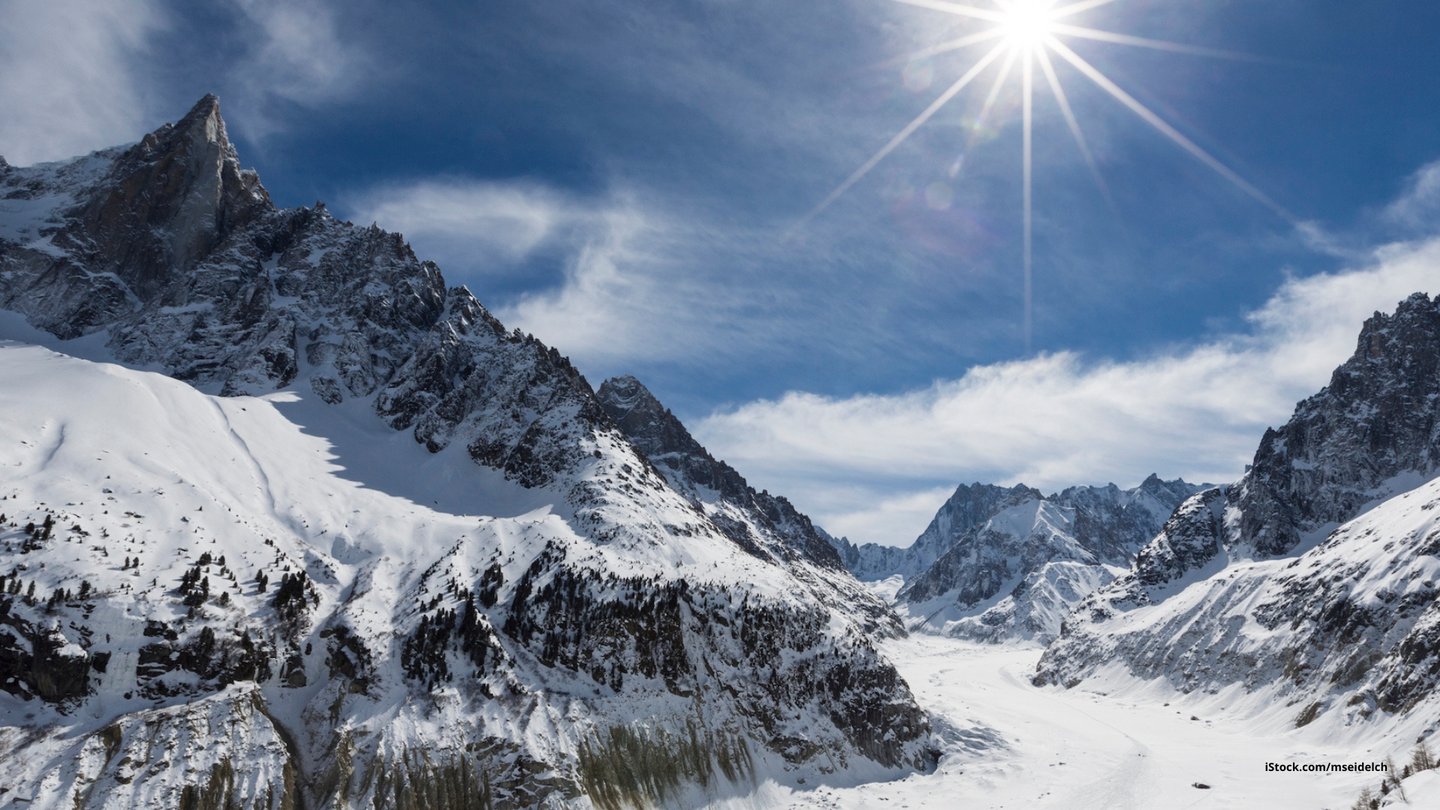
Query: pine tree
1392	778
1422	759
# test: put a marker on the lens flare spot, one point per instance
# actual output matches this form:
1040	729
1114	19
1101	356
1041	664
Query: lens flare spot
919	76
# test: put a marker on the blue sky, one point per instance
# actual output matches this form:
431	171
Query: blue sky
631	182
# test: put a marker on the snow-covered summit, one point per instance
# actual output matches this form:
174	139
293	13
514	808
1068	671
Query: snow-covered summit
1006	563
405	548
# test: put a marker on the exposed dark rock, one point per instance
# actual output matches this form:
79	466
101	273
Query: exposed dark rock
1276	596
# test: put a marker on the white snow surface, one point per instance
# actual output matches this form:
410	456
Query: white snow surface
339	507
1113	744
147	466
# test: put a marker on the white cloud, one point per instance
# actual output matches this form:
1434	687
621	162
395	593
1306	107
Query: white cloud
1419	205
639	276
1060	419
602	308
642	286
297	54
70	80
481	225
868	513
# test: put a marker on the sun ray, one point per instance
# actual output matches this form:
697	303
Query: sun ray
1077	8
1153	44
1062	100
1029	116
916	123
958	9
1164	127
944	47
990	99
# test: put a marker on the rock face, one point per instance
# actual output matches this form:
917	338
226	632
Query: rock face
566	627
1374	423
968	508
1000	564
765	525
1255	584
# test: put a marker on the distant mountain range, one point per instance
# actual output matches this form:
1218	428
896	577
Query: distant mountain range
1000	564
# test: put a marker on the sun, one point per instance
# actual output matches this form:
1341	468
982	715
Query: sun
1026	24
1032	37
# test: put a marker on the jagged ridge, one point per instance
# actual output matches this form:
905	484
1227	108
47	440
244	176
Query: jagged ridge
1253	583
419	649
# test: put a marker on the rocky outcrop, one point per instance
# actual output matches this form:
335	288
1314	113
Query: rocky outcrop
1377	420
40	663
1373	433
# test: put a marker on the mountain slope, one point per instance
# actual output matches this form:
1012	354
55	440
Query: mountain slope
767	526
1254	584
425	569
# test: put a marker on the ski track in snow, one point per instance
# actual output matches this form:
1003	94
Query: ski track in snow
55	444
262	479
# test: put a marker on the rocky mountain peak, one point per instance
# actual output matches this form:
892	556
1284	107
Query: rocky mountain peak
651	427
1310	582
629	392
588	583
973	504
1376	420
765	525
168	200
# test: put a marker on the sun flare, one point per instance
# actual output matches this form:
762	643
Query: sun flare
1031	37
1027	23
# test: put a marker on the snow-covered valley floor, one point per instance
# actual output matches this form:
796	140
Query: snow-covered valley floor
1013	745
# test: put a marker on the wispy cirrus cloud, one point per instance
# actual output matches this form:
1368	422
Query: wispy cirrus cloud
295	53
630	276
1059	419
1419	206
72	76
482	226
624	268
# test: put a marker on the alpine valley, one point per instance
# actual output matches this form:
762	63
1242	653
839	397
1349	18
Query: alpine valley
289	523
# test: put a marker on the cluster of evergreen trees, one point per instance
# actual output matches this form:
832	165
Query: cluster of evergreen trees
194	586
293	597
11	585
36	536
466	632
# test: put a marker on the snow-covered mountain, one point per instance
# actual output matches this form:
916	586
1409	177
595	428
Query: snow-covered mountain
1000	563
966	509
767	526
1315	578
375	549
